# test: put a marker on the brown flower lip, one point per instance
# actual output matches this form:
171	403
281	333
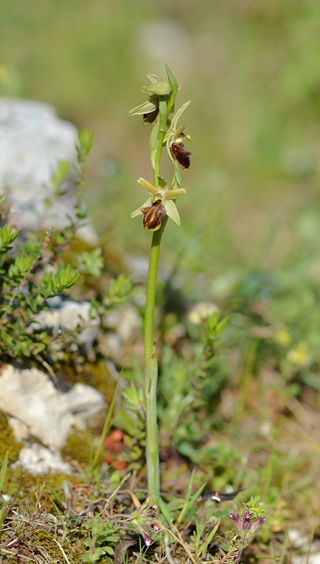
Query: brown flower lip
180	154
151	117
153	215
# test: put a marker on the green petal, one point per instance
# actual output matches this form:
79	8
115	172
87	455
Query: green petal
148	186
169	194
172	211
136	212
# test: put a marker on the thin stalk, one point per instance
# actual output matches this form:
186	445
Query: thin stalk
151	291
151	366
152	442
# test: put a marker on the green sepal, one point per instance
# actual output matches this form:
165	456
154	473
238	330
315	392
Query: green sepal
160	88
145	108
172	81
138	211
172	211
178	114
174	89
153	78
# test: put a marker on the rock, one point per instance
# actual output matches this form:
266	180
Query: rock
123	325
138	268
307	559
299	539
32	142
125	321
68	314
47	413
37	459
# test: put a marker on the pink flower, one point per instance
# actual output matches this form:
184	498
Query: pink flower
246	528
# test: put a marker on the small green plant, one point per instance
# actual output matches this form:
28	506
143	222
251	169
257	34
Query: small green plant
102	537
32	271
246	528
26	286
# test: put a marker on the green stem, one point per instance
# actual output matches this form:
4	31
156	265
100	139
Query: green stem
156	240
151	293
152	443
162	131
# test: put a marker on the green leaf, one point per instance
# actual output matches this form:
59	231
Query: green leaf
222	514
64	278
3	470
60	175
81	212
85	139
189	503
7	236
120	287
108	549
91	262
221	325
20	266
212	533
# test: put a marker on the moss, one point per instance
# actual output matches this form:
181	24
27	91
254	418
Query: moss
45	544
79	447
98	376
95	374
8	441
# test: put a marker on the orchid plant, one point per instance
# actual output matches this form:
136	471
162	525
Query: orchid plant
158	110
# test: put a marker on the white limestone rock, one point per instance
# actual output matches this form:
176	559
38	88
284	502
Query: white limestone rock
29	396
37	459
68	314
32	142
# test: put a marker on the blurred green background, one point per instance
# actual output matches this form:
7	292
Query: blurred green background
251	69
